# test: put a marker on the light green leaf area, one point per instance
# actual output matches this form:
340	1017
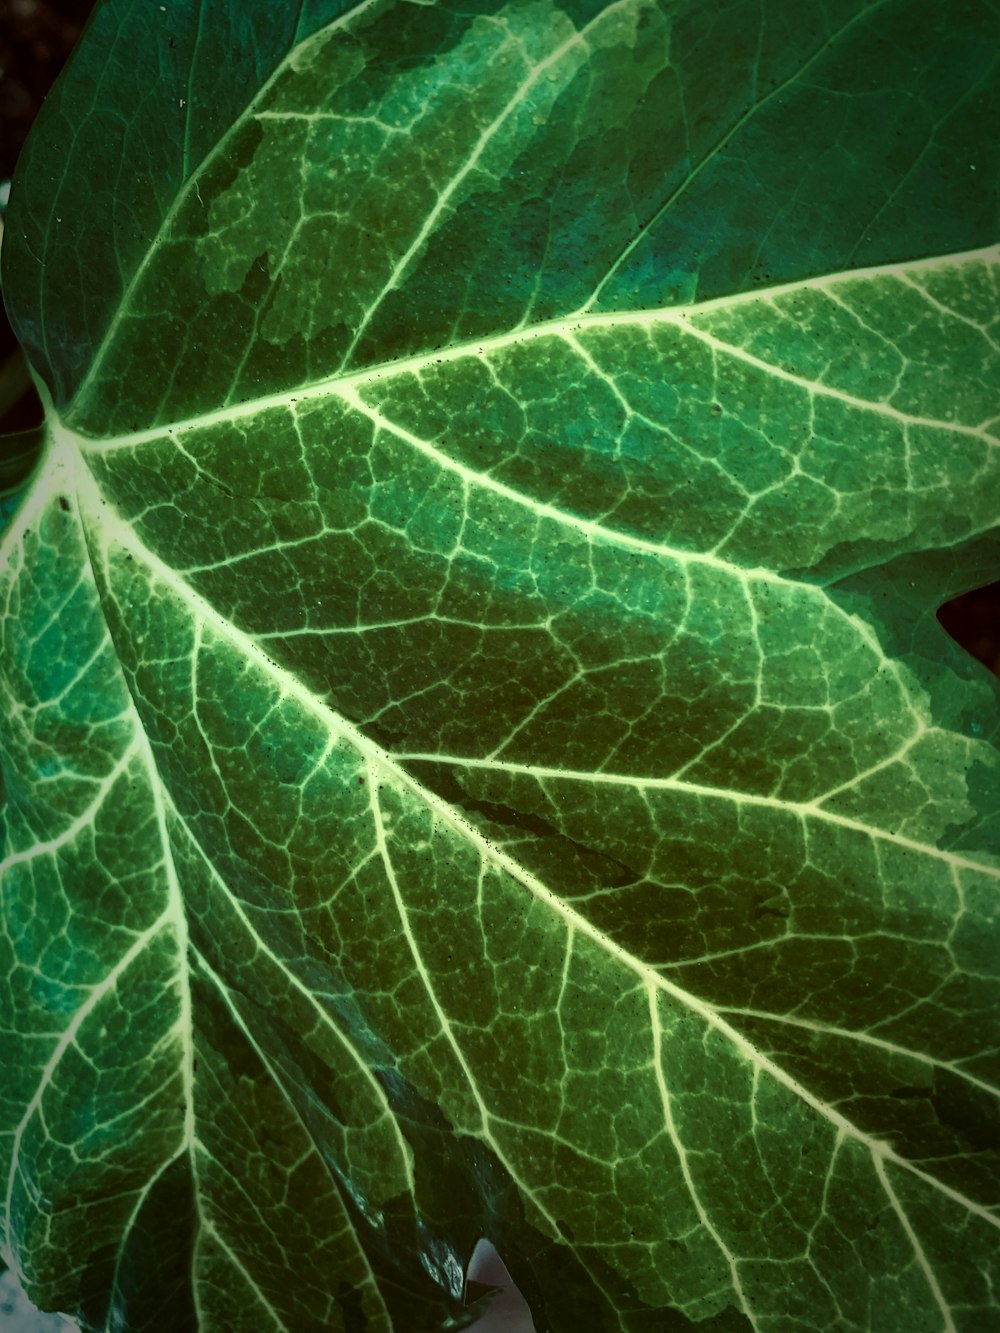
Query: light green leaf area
480	757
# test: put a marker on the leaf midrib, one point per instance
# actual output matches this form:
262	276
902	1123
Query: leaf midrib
822	1029
681	317
804	810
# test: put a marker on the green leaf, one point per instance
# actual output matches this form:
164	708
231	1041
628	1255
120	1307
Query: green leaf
480	757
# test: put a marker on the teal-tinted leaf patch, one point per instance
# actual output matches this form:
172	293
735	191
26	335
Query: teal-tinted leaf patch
480	758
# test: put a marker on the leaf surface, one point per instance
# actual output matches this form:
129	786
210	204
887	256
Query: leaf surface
479	755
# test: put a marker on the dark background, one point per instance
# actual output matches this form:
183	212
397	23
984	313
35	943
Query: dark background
35	39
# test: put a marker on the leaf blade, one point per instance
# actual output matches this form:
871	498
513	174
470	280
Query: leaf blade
568	827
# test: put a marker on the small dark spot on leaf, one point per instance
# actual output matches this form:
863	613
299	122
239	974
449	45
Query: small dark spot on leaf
906	1094
63	503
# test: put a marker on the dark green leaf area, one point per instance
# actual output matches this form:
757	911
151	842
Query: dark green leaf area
941	1230
128	1118
793	194
396	1260
450	614
111	1117
265	1157
297	1093
768	916
501	629
296	184
88	950
527	163
19	450
727	430
359	924
160	1241
55	648
485	763
342	901
942	1108
144	100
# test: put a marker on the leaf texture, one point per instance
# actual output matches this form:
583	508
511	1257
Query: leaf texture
479	755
